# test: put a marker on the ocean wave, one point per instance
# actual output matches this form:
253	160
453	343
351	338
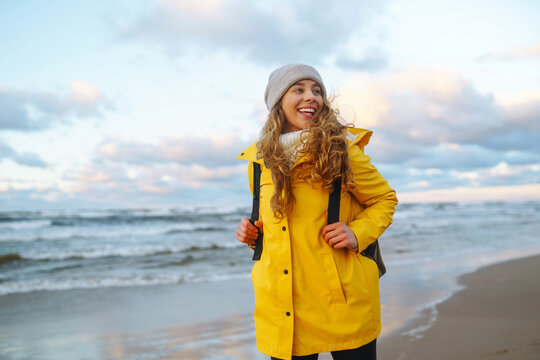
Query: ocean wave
8	216
103	252
109	232
221	210
195	229
115	251
41	285
5	258
61	268
30	237
185	261
134	219
62	218
12	287
24	224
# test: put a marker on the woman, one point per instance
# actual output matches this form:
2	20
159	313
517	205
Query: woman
314	290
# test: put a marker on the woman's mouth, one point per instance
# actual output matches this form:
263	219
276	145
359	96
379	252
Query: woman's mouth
307	111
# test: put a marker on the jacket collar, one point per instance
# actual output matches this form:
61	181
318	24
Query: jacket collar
356	136
250	154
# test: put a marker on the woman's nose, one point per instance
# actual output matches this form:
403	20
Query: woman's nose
308	95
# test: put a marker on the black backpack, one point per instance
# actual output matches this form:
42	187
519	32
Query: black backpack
372	251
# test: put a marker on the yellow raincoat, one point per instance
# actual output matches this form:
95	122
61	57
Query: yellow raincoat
310	297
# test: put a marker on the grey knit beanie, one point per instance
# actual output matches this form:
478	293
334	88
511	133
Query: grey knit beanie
281	79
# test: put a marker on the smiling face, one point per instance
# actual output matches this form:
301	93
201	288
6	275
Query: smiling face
300	104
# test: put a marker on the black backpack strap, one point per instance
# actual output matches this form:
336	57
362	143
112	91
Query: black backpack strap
255	209
372	251
334	202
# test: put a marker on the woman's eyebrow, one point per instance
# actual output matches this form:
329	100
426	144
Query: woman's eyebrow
302	84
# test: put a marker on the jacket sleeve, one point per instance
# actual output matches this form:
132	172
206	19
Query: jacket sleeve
374	194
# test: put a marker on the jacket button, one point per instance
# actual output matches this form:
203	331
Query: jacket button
242	154
285	271
288	313
284	228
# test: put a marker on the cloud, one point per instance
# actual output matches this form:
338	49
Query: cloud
171	171
5	150
372	61
265	32
218	150
461	157
158	178
434	118
422	106
434	130
173	165
489	193
31	110
518	53
26	158
410	179
506	174
526	115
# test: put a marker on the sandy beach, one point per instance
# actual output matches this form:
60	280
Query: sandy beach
496	316
183	321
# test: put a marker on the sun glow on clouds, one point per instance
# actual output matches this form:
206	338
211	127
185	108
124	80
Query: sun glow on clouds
108	149
489	193
517	98
426	107
366	99
363	100
200	7
84	91
27	178
153	177
522	52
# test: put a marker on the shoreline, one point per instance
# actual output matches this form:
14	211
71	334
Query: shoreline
191	320
493	315
213	320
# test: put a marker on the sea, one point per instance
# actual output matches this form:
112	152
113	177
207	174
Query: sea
425	249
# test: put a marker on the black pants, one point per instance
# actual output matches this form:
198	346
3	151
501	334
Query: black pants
366	352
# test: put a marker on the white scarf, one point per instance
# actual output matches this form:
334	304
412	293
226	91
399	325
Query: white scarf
291	142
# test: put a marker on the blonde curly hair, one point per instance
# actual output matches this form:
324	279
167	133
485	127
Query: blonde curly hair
326	149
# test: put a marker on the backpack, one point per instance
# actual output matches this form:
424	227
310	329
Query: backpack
373	251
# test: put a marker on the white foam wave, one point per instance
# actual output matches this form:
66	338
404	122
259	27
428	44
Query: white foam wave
104	251
51	285
66	233
110	250
28	224
40	285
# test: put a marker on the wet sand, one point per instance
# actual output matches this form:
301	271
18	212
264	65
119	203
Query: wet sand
182	321
496	316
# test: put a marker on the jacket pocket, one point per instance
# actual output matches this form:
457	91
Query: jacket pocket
263	283
369	258
371	271
334	281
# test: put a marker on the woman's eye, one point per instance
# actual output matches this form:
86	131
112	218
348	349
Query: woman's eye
317	92
298	90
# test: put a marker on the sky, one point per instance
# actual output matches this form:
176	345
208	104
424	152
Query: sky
145	104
